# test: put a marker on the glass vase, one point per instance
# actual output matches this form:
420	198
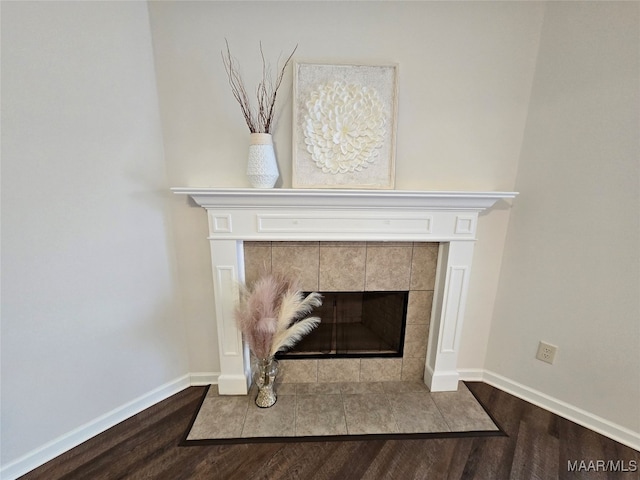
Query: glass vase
265	377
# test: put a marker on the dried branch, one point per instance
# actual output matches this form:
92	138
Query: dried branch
260	120
237	88
274	89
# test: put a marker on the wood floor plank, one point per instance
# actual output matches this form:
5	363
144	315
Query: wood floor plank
461	460
410	459
538	446
296	460
348	460
536	454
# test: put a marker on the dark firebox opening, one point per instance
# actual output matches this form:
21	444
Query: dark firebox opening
356	324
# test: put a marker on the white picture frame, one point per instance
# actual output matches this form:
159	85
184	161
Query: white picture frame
344	125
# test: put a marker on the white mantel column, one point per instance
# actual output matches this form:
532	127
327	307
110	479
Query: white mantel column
227	262
449	300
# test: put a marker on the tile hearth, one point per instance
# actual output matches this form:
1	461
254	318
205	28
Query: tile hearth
338	409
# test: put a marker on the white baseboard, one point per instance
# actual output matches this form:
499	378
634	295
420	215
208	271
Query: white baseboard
200	379
66	442
570	412
471	374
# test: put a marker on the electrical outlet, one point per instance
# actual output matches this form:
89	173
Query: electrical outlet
546	352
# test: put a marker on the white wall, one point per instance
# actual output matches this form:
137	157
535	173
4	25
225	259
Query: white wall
90	315
465	73
571	268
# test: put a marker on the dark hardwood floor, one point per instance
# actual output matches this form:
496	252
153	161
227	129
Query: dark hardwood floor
539	445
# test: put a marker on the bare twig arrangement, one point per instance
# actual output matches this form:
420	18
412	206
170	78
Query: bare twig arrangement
271	314
261	119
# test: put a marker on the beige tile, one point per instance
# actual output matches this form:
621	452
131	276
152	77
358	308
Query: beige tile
369	413
419	306
461	410
388	267
285	388
423	266
316	388
295	243
389	244
320	415
339	370
220	417
298	371
256	243
257	260
342	268
380	369
297	258
416	412
361	388
413	349
275	421
416	332
413	368
404	387
343	244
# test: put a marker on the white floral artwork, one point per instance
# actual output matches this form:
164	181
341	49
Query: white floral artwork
344	126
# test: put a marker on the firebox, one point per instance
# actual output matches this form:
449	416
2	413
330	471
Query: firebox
356	324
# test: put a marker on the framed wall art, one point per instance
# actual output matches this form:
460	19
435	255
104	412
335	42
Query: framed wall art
344	126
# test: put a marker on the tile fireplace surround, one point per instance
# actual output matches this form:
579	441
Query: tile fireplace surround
356	267
238	215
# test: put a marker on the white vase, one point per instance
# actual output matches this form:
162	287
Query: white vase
262	169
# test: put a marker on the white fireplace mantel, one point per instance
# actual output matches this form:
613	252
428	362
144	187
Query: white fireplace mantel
239	214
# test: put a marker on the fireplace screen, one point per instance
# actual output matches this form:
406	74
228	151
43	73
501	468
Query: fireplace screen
355	324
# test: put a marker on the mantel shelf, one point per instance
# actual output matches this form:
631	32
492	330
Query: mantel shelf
209	197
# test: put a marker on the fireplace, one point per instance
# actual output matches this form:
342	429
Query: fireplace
355	325
447	219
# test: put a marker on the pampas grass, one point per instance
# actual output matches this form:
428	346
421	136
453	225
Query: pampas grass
270	314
